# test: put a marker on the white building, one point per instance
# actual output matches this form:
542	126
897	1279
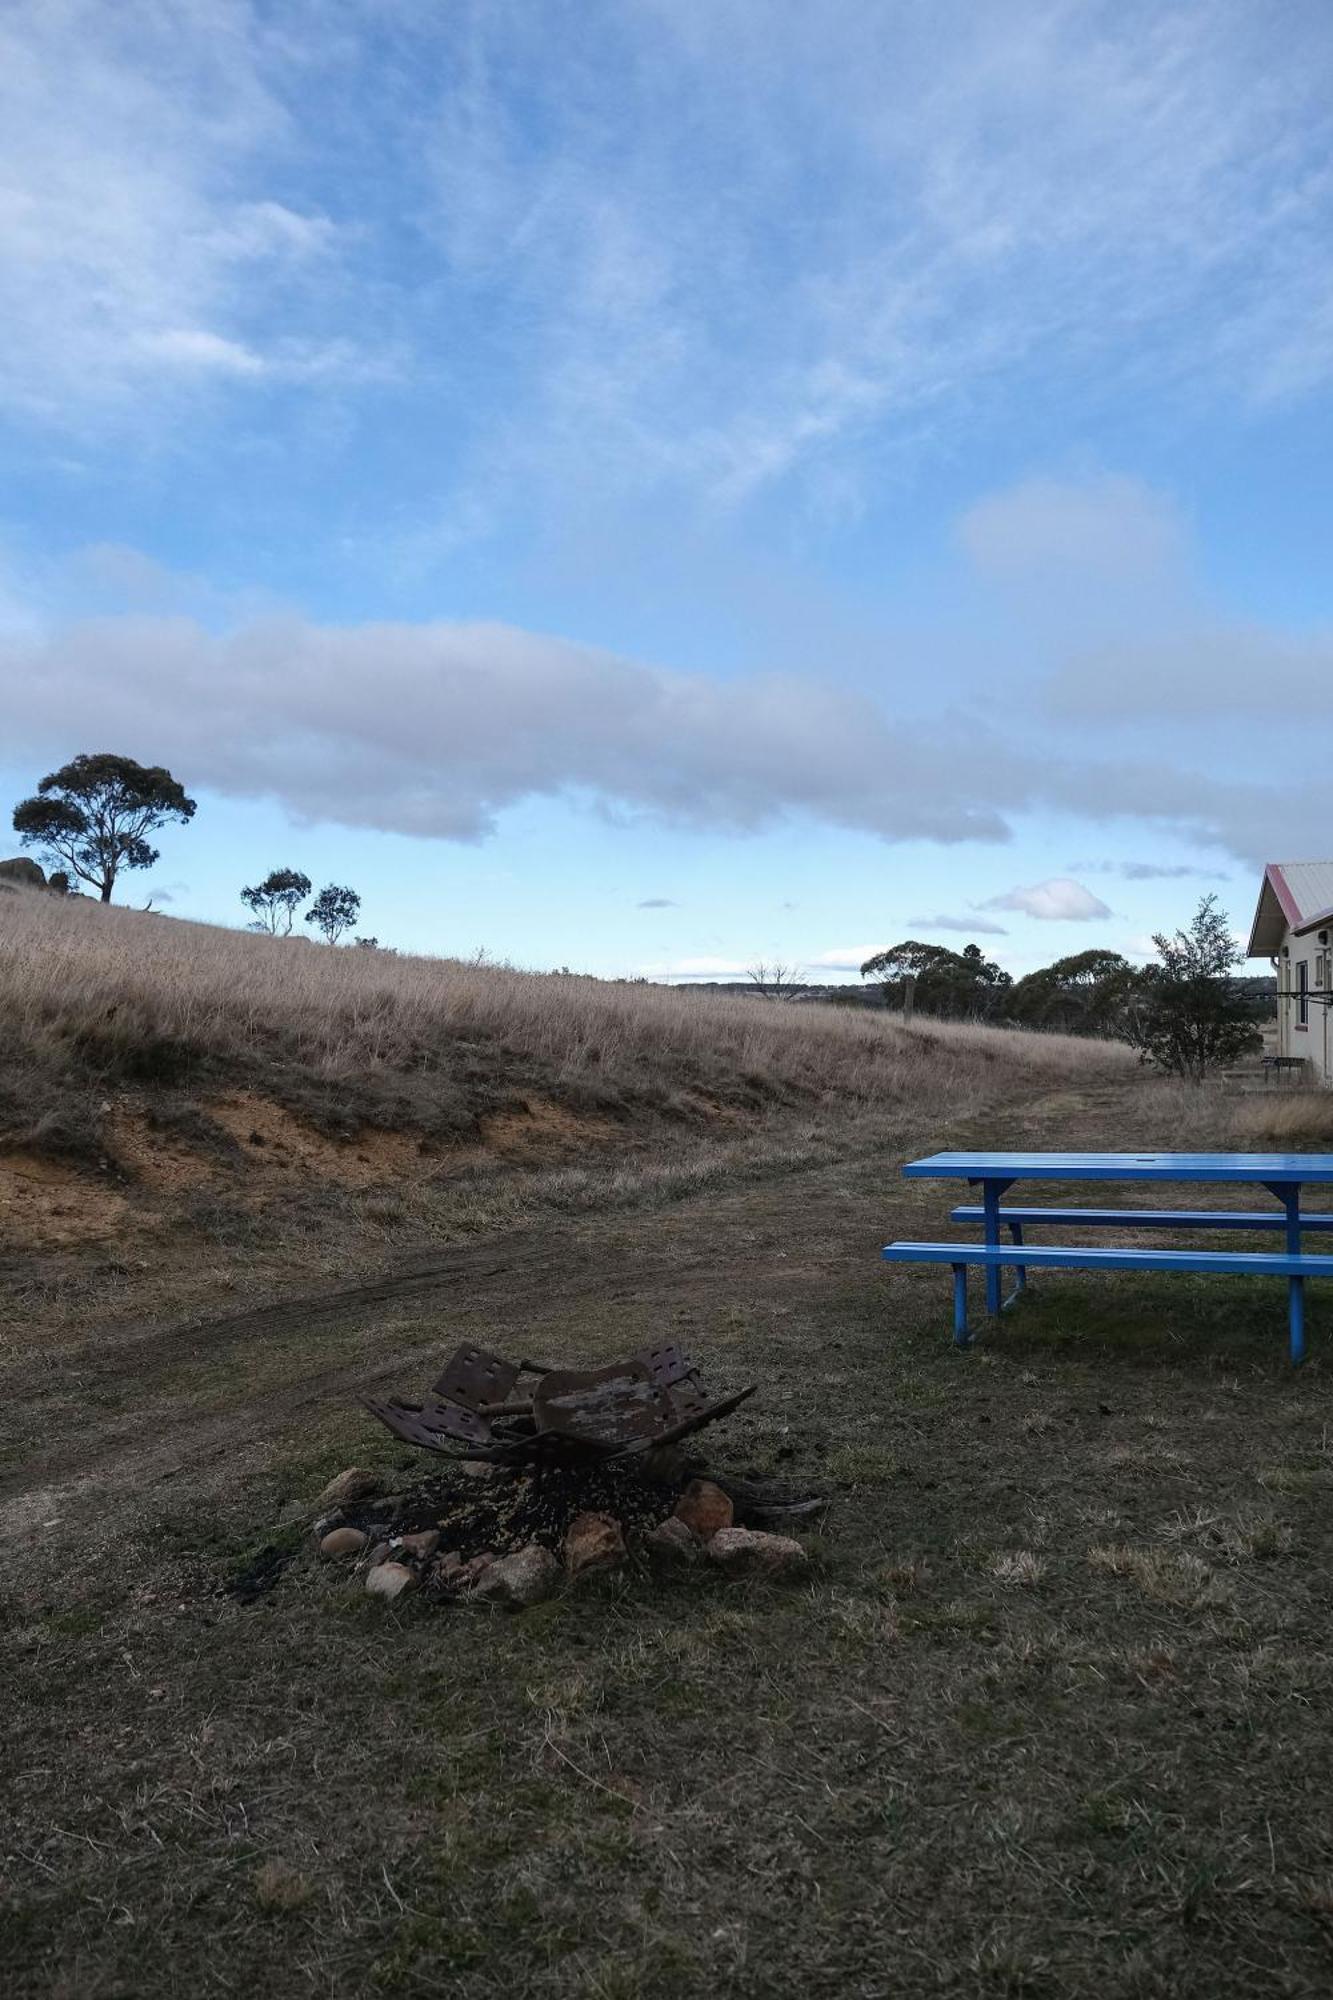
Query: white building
1293	927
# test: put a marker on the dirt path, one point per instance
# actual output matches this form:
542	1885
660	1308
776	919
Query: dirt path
140	1406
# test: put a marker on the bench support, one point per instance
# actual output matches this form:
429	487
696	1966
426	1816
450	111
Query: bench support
961	1336
1020	1270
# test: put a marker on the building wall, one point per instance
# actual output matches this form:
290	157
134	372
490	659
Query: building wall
1313	1041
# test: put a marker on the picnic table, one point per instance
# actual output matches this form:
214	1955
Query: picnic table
1281	1175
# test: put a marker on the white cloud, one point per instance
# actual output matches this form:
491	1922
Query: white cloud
1110	528
698	968
975	926
1207	669
435	729
1060	900
842	958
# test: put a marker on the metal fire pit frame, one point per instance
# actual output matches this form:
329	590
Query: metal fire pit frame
650	1399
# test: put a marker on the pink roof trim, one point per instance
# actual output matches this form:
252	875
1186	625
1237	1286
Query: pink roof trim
1291	909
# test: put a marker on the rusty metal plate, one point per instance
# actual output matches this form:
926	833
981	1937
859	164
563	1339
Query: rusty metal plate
605	1408
667	1365
433	1426
472	1377
653	1397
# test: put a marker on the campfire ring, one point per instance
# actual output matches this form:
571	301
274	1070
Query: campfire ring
478	1410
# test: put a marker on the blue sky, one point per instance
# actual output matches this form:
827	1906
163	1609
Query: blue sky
655	485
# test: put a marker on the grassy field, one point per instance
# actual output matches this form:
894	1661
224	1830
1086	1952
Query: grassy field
1045	1718
189	1114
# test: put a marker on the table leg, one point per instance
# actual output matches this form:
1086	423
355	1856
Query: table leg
990	1202
1290	1197
1020	1270
1296	1320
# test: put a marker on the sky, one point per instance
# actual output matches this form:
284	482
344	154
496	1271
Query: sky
657	485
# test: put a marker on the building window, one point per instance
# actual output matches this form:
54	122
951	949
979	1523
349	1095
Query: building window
1303	993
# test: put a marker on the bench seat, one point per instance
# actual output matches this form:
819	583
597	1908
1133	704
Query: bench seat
1141	1218
1102	1257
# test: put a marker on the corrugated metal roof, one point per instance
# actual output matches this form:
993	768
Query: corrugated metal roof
1294	896
1311	886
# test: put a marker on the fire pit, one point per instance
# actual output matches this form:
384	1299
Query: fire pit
475	1410
574	1471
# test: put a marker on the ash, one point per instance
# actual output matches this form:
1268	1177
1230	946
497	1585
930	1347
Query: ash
509	1509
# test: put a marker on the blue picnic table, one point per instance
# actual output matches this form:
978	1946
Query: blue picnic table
1281	1175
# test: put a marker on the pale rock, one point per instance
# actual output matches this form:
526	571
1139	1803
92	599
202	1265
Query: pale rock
593	1541
705	1509
422	1546
357	1483
389	1579
524	1578
343	1542
750	1552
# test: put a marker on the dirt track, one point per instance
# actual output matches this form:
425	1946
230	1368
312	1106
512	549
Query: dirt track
140	1404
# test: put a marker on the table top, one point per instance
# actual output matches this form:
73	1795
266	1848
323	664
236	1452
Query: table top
1294	1167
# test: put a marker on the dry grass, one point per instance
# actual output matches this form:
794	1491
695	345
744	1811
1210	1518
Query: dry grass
91	998
1208	1115
959	1760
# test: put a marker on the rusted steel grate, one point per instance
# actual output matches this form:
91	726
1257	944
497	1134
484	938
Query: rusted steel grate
477	1408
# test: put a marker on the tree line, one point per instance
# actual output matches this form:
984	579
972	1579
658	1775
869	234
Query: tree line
1186	1013
94	815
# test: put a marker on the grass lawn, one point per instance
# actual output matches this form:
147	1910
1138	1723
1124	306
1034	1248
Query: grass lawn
1048	1716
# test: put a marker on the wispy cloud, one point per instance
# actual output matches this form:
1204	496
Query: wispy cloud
1056	185
976	926
1148	871
1063	185
657	903
142	253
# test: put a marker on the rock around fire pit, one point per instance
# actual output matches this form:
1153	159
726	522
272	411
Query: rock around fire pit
511	1540
580	1476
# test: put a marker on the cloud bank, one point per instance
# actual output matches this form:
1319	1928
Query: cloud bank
436	729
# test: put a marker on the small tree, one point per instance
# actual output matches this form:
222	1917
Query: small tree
776	981
276	899
334	911
1191	1015
955	984
1088	993
94	815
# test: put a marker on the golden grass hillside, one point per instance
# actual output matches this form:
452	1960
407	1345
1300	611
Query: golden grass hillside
186	1110
93	999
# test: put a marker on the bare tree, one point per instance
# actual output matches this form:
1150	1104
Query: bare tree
776	981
